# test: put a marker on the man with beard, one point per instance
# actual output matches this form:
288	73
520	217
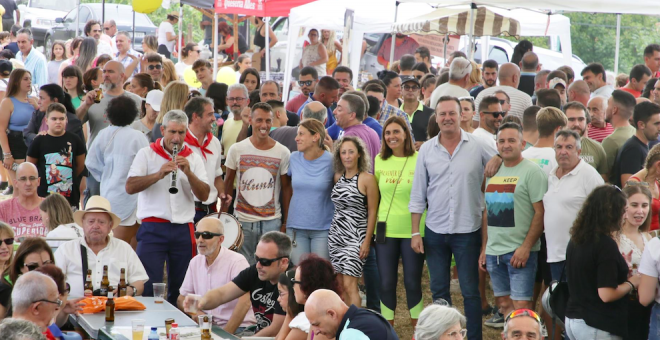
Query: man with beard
489	76
620	108
403	45
218	265
307	82
491	118
592	152
632	155
237	100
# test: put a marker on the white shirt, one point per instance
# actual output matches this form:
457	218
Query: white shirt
543	157
562	202
212	164
116	255
156	201
650	265
104	48
447	89
604	91
519	100
65	231
181	68
165	27
300	322
482	133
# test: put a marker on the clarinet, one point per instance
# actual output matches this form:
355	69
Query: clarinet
173	189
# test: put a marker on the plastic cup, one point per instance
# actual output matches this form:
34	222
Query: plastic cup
159	292
193	307
138	329
205	325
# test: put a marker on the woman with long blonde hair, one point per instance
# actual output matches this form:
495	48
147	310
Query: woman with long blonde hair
329	40
57	215
6	247
175	97
169	72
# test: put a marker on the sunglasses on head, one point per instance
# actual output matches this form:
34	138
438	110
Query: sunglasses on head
207	235
496	113
268	262
523	312
34	265
8	241
152	67
305	82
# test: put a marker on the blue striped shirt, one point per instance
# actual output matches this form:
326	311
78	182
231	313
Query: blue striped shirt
36	64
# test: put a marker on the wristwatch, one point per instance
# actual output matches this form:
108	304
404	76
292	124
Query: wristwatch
134	290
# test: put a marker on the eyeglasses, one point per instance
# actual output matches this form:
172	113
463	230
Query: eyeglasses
522	312
458	334
8	241
268	262
195	51
157	67
496	113
57	302
410	88
106	28
235	99
207	235
305	82
25	179
34	265
295	282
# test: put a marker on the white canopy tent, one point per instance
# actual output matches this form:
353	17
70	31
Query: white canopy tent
645	7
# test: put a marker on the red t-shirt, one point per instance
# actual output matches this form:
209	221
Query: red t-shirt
633	92
24	222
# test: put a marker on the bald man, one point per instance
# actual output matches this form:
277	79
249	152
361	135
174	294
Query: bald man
578	91
329	316
22	211
316	110
529	65
215	266
509	77
598	128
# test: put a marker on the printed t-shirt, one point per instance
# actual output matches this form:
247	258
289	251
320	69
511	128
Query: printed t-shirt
594	154
257	180
543	157
509	197
24	222
56	163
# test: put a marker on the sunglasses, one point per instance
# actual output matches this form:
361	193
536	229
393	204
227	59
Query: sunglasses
157	67
207	235
268	262
57	302
295	282
496	113
305	82
502	101
34	265
8	241
522	312
410	88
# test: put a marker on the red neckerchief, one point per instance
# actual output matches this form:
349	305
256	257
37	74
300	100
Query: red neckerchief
158	149
49	335
192	140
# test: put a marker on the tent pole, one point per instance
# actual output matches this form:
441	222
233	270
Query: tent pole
473	7
133	36
215	44
267	56
178	43
78	21
618	39
102	12
396	13
236	36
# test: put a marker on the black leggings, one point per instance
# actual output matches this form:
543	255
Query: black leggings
387	256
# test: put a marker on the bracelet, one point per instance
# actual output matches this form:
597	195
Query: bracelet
415	234
632	286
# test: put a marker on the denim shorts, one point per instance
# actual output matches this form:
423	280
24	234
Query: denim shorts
507	280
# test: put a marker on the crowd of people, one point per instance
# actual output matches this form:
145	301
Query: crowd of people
113	161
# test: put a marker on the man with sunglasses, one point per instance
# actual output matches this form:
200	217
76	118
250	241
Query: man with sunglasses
125	54
153	65
522	324
306	81
418	113
260	280
215	266
35	298
491	118
22	210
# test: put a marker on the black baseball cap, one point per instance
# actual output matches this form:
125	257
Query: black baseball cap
6	67
407	79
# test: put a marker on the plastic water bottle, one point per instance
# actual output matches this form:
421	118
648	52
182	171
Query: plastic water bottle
174	332
154	334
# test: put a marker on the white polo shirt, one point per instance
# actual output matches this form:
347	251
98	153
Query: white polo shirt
116	255
156	201
562	202
212	164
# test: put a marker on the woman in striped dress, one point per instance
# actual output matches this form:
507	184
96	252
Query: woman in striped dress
355	196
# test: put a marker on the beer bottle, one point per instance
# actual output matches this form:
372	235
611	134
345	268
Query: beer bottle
110	307
89	287
206	329
105	283
122	288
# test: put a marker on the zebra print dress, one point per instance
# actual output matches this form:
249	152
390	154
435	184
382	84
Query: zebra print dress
348	228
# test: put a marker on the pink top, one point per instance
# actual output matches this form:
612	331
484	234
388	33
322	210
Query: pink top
24	222
201	278
294	104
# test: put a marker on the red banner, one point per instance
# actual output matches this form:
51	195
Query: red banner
260	8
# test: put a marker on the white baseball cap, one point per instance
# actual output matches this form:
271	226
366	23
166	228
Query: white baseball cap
556	81
154	98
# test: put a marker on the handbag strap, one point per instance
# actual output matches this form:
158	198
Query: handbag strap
395	186
83	255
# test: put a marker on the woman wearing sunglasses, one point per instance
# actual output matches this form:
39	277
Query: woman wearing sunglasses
67	306
438	322
31	254
597	273
6	247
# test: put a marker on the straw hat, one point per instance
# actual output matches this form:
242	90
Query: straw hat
174	14
96	204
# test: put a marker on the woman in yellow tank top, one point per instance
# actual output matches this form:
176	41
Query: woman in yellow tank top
328	38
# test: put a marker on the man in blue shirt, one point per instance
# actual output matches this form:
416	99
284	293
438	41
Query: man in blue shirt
327	93
34	61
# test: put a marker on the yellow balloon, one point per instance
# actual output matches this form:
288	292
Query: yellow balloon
146	6
226	75
190	78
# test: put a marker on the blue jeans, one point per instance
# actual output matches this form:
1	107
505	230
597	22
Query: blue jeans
466	249
510	281
252	232
372	280
654	330
556	269
308	241
577	329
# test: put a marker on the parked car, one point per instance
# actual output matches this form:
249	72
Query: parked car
40	15
65	28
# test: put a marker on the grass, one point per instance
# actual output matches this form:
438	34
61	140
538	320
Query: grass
402	317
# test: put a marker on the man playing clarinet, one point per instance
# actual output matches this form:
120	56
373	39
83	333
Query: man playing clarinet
166	233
